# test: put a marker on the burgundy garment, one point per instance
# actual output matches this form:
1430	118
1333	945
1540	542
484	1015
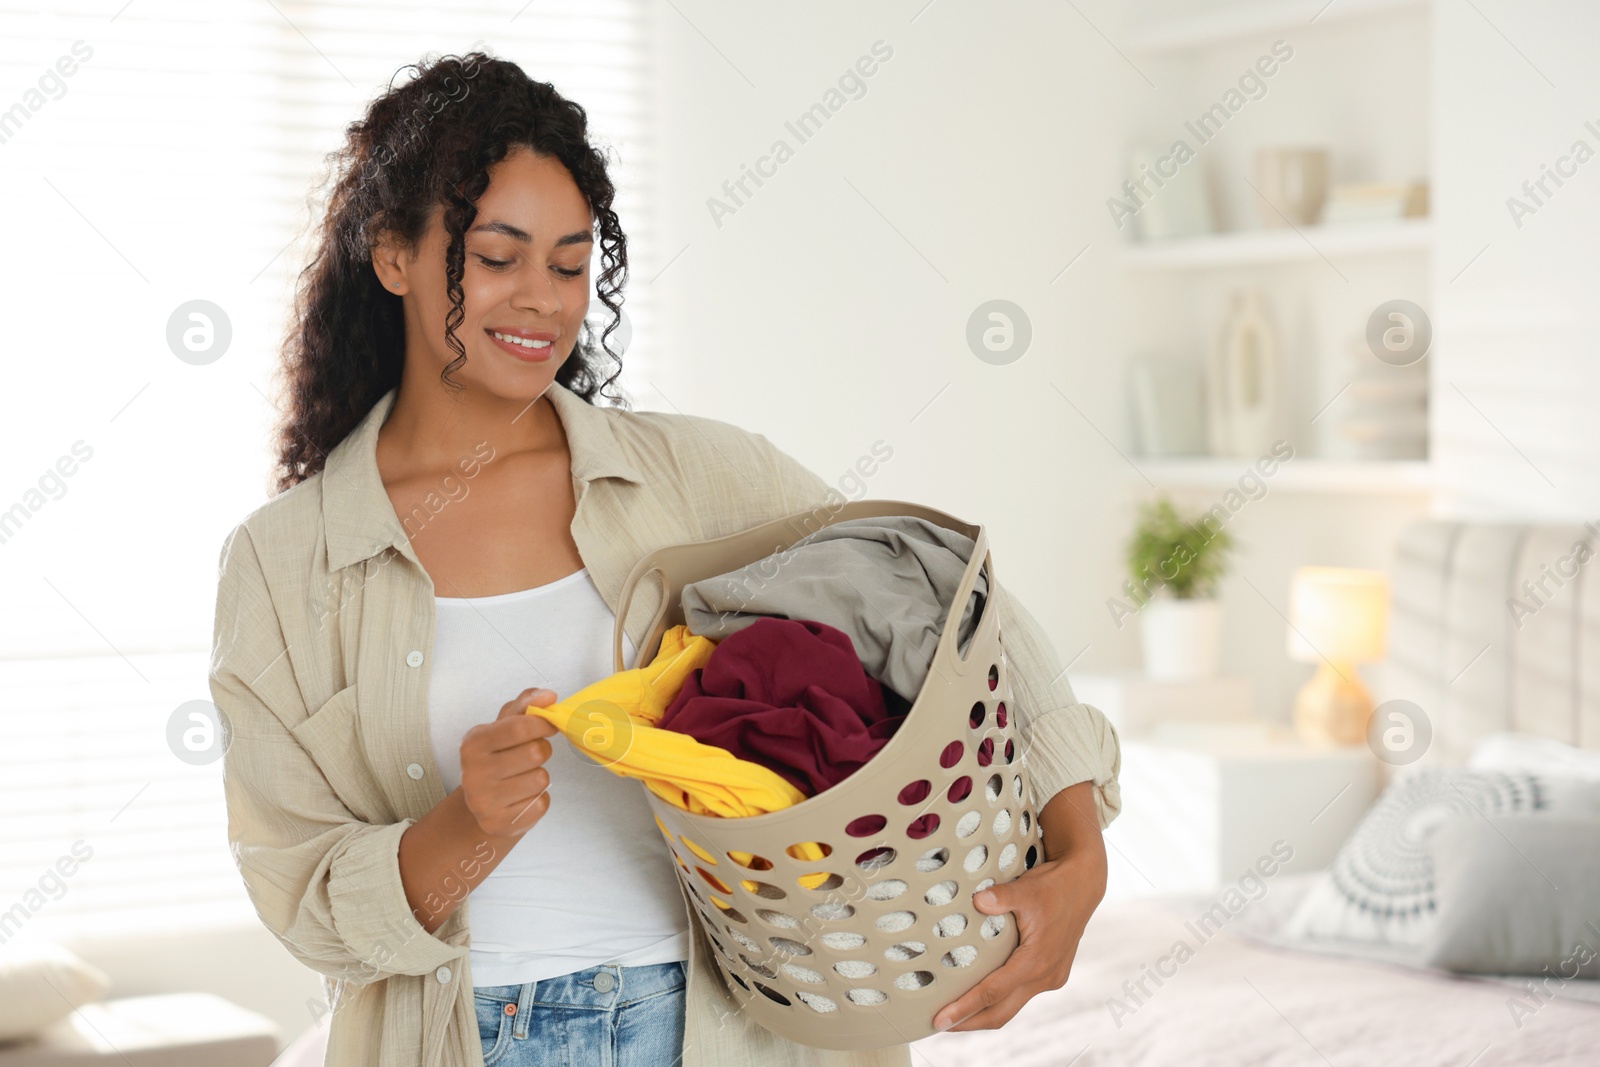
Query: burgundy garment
792	695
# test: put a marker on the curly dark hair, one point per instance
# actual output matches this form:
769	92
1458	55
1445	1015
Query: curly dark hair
428	142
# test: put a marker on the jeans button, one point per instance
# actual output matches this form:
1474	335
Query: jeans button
604	982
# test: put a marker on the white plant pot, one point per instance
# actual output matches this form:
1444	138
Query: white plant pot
1182	638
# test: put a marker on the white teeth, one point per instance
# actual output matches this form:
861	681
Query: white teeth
519	341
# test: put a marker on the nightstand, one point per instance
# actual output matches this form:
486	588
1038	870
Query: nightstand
1202	803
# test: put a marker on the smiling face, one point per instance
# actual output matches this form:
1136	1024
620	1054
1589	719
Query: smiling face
525	281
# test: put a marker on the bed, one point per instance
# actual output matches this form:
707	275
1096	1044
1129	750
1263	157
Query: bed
1252	995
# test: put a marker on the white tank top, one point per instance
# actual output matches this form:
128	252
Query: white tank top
592	881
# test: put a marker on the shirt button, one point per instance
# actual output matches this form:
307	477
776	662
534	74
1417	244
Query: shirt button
415	771
443	974
414	658
603	981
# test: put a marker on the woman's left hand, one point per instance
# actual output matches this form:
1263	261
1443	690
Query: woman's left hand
1051	904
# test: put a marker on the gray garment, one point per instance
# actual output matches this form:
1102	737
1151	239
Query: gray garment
886	582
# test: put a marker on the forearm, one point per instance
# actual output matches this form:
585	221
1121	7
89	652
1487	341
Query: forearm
444	856
1071	827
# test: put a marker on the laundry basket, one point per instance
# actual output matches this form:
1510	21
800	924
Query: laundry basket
887	934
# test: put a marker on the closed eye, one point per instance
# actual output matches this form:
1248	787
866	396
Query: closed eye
502	264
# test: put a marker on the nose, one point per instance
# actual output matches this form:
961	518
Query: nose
537	292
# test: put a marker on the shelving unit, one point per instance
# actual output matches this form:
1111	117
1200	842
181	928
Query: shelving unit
1377	477
1309	243
1186	32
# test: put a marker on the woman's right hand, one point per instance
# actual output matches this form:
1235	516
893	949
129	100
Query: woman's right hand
503	778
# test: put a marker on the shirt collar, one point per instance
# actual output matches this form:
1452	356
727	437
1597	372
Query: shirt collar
358	516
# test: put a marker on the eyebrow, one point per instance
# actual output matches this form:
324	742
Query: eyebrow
522	236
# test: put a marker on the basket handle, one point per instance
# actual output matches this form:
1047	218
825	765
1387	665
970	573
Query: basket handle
945	649
625	601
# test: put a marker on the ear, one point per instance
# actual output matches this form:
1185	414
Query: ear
390	265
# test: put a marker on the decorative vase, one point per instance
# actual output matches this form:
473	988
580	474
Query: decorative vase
1242	381
1182	638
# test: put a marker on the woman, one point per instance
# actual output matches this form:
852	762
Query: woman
454	522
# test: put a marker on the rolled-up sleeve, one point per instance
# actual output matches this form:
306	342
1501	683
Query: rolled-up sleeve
1066	741
326	883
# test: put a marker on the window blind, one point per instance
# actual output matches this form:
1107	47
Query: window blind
158	152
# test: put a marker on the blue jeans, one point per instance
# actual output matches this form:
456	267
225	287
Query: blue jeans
605	1016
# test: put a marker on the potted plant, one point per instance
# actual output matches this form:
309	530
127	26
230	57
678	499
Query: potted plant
1174	564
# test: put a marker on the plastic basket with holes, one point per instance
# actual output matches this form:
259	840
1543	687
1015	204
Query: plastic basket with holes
846	921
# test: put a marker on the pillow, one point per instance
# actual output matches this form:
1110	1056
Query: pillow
1541	755
34	979
1380	888
1517	894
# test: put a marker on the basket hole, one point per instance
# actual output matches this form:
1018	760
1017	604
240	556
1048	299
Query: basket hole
959	790
905	950
867	997
820	880
874	859
975	716
1000	715
856	968
715	882
960	956
922	826
1011	750
932	860
754	863
1027	821
915	792
744	941
951	925
736	978
951	754
1031	858
783	944
866	825
772	994
832	909
810	850
968	824
941	893
662	827
992	925
1008	856
679	858
1016	787
1002	822
994	676
887	889
843	940
730	911
891	921
976	858
802	974
722	948
762	889
995	786
986	752
698	851
816	1002
779	919
914	980
760	968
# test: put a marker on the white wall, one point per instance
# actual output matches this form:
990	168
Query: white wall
830	310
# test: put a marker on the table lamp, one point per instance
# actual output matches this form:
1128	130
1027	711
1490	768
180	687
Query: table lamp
1338	617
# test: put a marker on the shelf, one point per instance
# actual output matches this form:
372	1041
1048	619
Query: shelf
1307	244
1377	477
1234	21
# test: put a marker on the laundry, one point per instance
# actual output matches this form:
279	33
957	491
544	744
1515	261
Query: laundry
886	583
791	695
615	722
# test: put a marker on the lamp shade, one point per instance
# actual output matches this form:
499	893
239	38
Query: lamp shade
1338	613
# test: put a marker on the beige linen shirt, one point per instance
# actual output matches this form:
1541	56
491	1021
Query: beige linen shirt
321	654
